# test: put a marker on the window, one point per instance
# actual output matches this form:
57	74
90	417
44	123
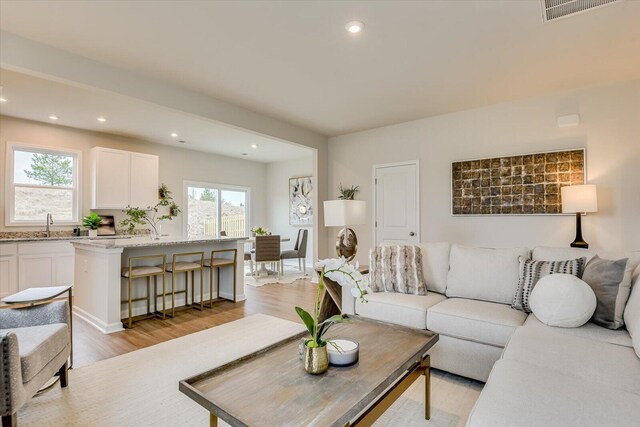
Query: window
42	180
215	210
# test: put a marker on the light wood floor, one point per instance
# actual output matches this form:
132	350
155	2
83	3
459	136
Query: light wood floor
91	345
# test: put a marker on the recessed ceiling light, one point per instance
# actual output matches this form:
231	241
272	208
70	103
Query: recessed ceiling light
254	145
182	141
102	119
174	135
52	117
245	154
355	26
3	99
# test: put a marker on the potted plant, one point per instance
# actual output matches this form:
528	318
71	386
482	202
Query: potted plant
152	215
316	360
348	193
92	222
164	192
174	209
261	231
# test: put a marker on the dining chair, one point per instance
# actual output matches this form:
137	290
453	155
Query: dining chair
267	252
299	251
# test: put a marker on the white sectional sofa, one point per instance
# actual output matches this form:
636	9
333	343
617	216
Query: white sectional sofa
535	374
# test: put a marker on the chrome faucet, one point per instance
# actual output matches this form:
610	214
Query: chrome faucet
49	222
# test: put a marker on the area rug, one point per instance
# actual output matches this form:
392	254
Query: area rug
290	275
141	388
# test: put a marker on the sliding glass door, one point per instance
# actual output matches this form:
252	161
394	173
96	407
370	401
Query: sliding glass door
216	210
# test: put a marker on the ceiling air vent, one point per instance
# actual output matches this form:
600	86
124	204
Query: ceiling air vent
556	9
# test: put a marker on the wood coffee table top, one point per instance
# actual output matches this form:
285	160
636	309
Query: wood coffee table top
270	387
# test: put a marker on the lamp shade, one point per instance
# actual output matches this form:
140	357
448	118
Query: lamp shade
579	198
343	213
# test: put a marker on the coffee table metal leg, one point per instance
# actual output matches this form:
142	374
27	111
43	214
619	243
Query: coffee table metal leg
213	420
427	388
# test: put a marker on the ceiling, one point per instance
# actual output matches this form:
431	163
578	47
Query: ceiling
34	98
295	61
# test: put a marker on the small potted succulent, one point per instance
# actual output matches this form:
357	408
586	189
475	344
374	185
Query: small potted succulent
174	209
92	222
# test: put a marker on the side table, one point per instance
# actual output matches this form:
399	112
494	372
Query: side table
331	302
36	296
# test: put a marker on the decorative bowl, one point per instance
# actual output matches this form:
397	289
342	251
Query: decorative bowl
343	352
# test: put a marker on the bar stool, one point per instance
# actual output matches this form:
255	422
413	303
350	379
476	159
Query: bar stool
217	263
185	267
137	272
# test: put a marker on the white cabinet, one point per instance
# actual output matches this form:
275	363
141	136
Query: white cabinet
121	178
44	264
8	269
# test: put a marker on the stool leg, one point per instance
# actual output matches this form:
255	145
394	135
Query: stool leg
218	281
164	309
148	294
130	304
235	273
173	294
211	287
201	290
155	294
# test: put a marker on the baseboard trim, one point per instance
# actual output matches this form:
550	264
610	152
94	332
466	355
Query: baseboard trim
97	323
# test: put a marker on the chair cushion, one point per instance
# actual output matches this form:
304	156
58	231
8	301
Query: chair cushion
401	309
217	262
519	394
184	266
141	271
484	274
589	331
479	321
38	345
607	364
290	254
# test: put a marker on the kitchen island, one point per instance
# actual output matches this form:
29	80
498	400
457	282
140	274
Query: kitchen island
99	289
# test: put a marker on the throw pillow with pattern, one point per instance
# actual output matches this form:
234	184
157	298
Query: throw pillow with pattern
531	271
397	268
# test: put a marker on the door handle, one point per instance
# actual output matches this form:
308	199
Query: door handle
412	234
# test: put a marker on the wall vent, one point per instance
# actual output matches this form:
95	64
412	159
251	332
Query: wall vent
556	9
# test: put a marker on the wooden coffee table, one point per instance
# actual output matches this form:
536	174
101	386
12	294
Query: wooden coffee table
271	388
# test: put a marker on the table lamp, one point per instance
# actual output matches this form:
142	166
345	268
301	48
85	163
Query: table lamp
343	213
579	199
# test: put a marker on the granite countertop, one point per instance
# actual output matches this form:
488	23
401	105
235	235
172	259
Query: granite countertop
146	241
59	238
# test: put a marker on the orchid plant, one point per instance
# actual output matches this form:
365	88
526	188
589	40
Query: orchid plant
343	273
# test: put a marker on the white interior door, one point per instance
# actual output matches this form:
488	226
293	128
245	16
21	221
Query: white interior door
397	203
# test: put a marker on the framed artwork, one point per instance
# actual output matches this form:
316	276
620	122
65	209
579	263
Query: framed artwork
526	184
300	204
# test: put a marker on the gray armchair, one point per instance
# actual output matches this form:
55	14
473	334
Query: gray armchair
35	344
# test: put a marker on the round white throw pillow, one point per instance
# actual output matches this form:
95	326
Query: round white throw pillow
562	300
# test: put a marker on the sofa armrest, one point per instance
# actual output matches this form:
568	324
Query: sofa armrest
12	393
45	314
348	301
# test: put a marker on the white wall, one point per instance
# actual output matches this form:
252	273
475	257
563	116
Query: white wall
609	129
277	202
176	166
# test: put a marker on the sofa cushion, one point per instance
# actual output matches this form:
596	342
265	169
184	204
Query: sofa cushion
397	268
589	331
632	312
609	365
435	265
563	300
611	282
38	345
519	394
480	321
401	309
546	253
484	274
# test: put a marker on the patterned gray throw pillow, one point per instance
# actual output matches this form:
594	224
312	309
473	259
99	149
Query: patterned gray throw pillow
612	285
531	271
397	268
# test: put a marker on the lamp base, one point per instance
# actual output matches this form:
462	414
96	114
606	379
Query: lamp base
347	244
579	241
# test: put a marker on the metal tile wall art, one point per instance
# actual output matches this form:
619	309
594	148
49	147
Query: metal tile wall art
515	185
